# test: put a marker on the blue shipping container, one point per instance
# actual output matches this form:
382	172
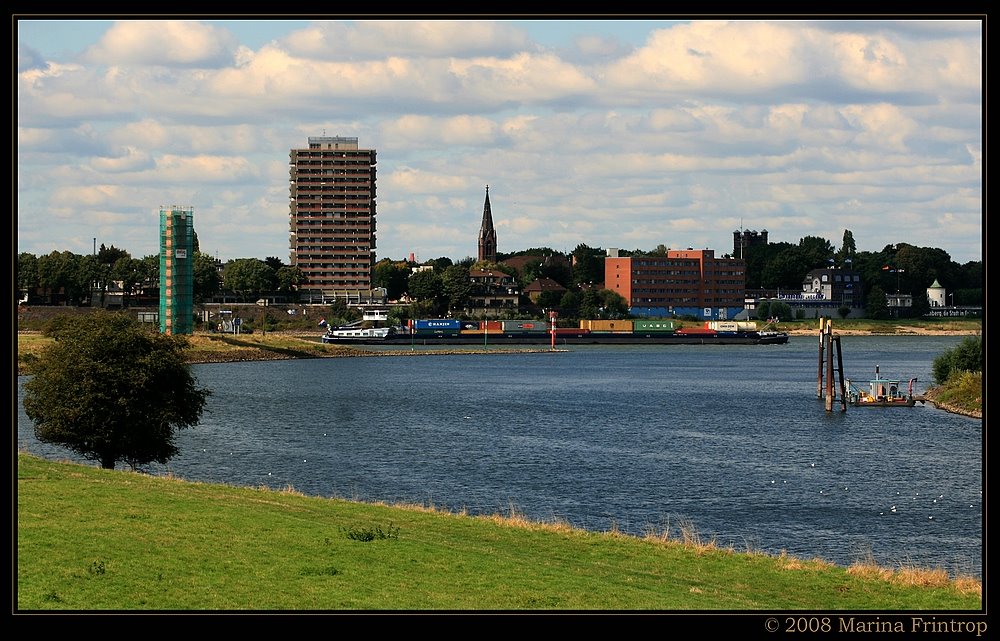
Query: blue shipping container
438	323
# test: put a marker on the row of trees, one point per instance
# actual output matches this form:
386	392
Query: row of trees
450	290
967	356
75	279
897	268
446	287
398	278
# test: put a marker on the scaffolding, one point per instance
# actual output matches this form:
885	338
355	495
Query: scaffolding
176	270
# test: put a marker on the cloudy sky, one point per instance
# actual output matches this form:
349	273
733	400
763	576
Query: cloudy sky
621	133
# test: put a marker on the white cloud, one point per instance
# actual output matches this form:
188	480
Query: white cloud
521	77
83	196
732	57
883	63
214	169
377	39
164	42
414	181
130	160
426	130
881	126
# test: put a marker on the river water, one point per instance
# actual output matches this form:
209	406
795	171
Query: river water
728	441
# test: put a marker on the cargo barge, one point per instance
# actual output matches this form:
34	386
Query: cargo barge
590	332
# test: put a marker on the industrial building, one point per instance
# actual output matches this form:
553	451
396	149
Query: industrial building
691	282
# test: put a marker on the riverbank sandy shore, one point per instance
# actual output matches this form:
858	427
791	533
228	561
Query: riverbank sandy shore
901	331
929	395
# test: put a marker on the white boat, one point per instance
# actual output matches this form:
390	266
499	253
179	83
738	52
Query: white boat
356	334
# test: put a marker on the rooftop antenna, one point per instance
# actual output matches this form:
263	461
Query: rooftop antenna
742	238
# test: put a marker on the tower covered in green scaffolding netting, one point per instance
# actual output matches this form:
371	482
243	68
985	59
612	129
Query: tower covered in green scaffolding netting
176	270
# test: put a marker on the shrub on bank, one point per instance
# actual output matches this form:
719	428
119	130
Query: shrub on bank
964	391
967	356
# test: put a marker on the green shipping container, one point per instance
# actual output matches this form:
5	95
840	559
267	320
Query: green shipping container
653	325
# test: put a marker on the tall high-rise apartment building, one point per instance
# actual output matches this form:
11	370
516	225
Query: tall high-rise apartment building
176	270
332	218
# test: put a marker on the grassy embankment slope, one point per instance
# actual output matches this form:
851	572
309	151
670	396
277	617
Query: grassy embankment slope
225	348
93	539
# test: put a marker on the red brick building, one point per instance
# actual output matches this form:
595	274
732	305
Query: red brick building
690	282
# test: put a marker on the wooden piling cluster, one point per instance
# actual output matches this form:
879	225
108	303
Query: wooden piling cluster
827	340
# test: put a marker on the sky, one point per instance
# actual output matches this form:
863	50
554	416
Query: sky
624	133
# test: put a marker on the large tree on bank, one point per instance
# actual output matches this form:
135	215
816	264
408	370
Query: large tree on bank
112	390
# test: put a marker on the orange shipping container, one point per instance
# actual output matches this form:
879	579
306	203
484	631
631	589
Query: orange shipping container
615	326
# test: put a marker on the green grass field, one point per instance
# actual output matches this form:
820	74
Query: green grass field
101	540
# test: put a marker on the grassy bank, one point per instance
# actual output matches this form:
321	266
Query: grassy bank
961	394
207	348
225	348
93	539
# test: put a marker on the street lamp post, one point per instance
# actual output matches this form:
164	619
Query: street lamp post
952	297
896	271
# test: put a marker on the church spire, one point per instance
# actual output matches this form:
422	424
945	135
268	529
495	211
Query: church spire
487	235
